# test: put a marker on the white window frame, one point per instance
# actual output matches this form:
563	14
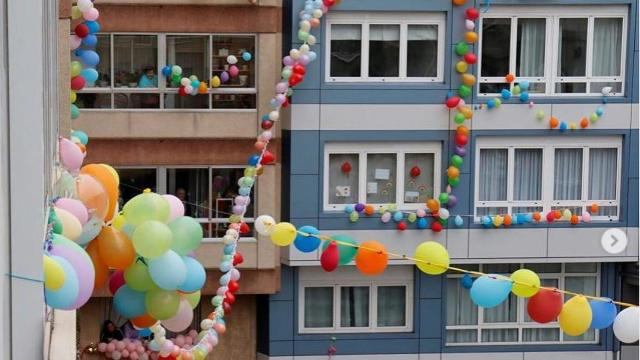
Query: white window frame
521	324
364	148
386	18
548	146
161	184
349	276
162	88
553	14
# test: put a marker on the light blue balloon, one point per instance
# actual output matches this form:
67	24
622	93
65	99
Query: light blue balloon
168	270
128	302
225	266
81	135
93	26
128	229
398	216
514	219
75	112
458	221
524	96
244	191
488	292
312	55
491	103
90	75
506	94
90	58
563	126
307	243
90	40
349	209
224	279
195	83
196	276
229	249
153	346
90	230
246	56
600	111
422	223
524	84
66	296
486	221
603	313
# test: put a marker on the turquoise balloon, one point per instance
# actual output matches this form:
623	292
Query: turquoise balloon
168	270
246	56
129	303
81	135
90	230
347	253
196	276
75	112
488	292
603	313
66	296
90	75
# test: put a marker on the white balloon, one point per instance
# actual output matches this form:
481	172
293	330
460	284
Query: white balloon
443	214
625	327
182	319
264	225
84	5
469	25
185	81
232	60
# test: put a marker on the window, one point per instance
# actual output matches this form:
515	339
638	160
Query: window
130	72
385	47
575	51
509	323
380	173
344	302
541	175
207	192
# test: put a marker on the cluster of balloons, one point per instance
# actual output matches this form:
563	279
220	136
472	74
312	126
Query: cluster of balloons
563	126
537	217
125	349
420	217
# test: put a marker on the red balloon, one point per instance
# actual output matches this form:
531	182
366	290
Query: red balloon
244	228
472	13
329	3
545	306
402	226
229	297
182	91
346	167
299	69
551	216
415	171
266	124
116	281
227	308
77	83
461	140
81	30
233	286
330	257
267	158
436	226
295	79
470	58
237	259
452	102
285	104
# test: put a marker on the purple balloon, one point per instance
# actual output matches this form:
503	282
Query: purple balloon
281	98
460	150
224	77
81	262
304	60
359	207
282	87
288	61
453	200
238	209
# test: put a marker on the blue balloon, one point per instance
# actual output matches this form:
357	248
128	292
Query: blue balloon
196	276
600	111
506	94
66	296
244	191
398	216
514	219
153	346
307	243
144	332
166	71
81	135
312	55
253	160
528	218
168	270
422	223
524	84
90	40
265	118
224	279
488	292
491	103
486	221
228	249
128	302
90	58
91	229
603	313
246	56
466	281
563	126
78	52
458	221
93	26
524	96
90	75
349	209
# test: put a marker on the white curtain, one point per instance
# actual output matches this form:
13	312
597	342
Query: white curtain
603	172
354	306
384	33
527	175
607	46
531	44
493	174
346	32
568	174
391	306
318	307
422	32
460	311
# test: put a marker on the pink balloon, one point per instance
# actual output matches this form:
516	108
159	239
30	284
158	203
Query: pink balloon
83	266
108	355
102	347
70	154
125	354
586	217
134	356
140	349
120	345
131	347
74	41
176	207
179	340
91	14
111	347
181	320
233	71
75	207
282	87
288	61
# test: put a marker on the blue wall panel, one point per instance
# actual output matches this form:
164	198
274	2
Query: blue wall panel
304	193
304	152
430	318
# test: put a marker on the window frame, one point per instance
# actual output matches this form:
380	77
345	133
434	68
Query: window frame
520	323
163	89
548	146
550	78
388	18
350	277
362	149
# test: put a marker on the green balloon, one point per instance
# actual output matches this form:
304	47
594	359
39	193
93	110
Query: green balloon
354	216
444	198
462	48
144	207
456	160
75	112
193	298
454	182
464	91
443	221
162	304
55	222
412	217
75	68
138	278
152	239
459	118
286	74
347	253
187	235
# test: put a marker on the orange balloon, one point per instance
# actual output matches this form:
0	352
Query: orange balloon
537	216
553	122
116	249
433	205
594	208
462	130
102	270
143	321
259	145
510	78
82	148
466	111
371	258
557	214
574	220
471	37
459	2
507	220
110	184
93	195
369	210
584	122
453	172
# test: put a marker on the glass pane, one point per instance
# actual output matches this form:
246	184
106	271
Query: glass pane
384	50
525	209
346	42
603	174
418	189
571	88
535	88
540	335
224	46
422	50
607	46
134	181
224	189
136	101
590	335
460	309
572	47
568	174
234	101
506	312
191	53
491	88
176	101
607	211
500	268
462	336
343	178
527	178
596	87
531	47
354	306
496	35
192	187
544	268
580	284
381	178
135	60
581	267
392	306
493	174
104	66
482	211
318	307
500	335
93	101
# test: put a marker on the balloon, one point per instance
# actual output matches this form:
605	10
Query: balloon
101	269
575	316
434	257
116	281
461	48
264	225
246	56
162	304
137	277
545	306
346	253
143	321
152	239
75	68
75	207
90	58
116	249
330	257
176	207
128	302
65	296
110	184
371	258
71	226
461	67
468	79
489	291
527	277
187	235
196	275
458	221
467	281
625	327
168	270
93	195
452	102
603	313
472	13
71	156
283	234
81	263
443	213
54	275
307	243
471	37
433	205
193	298
146	206
182	319
90	230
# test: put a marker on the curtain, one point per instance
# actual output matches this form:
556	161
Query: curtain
527	175
607	46
568	174
345	50
318	307
572	47
493	174
531	47
392	306
422	50
343	185
384	50
460	311
603	172
384	33
354	306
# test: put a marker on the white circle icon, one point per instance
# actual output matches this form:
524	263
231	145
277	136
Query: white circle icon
614	241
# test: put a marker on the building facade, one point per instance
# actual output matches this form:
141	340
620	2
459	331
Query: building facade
374	101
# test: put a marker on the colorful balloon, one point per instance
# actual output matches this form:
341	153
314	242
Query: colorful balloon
116	249
54	275
182	319
152	239
146	206
162	304
138	278
196	275
526	283
371	258
168	271
545	306
187	235
71	226
346	252
283	234
128	302
65	296
603	313
434	257
307	243
625	326
93	195
330	257
490	290
101	269
575	317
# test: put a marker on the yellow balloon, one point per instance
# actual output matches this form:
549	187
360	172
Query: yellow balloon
498	220
283	234
522	277
215	81
462	67
471	37
467	112
73	96
113	172
75	13
468	79
575	317
435	254
71	226
118	222
53	273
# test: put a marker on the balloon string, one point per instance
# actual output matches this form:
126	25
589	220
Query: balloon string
16	276
460	270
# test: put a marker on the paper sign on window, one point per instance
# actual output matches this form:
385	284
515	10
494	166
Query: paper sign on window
372	188
382	174
411	196
343	191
